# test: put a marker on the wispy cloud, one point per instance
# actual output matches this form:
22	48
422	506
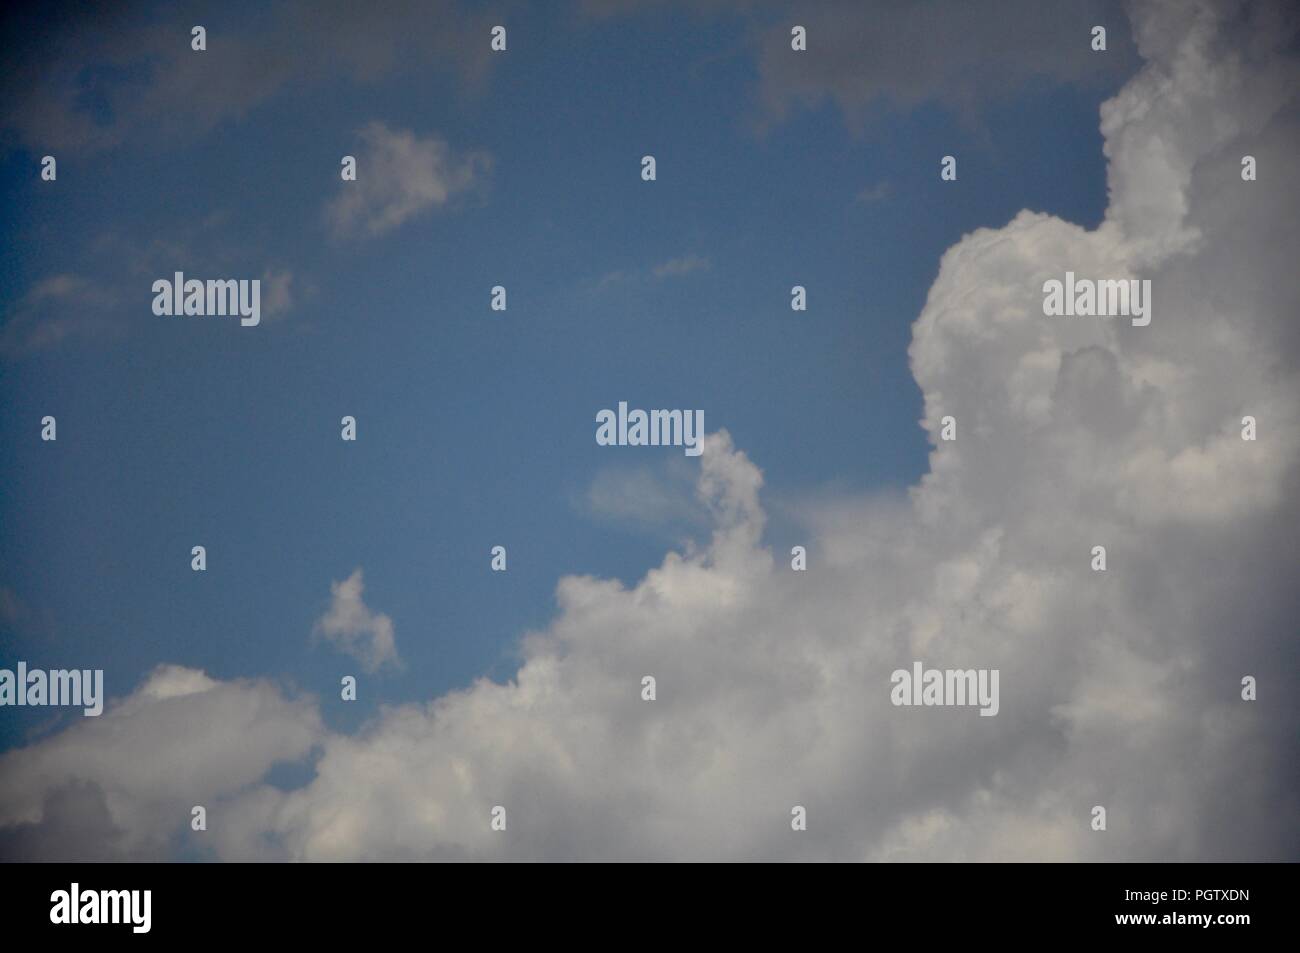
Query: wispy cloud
672	268
681	266
53	309
146	76
399	176
660	500
277	292
874	193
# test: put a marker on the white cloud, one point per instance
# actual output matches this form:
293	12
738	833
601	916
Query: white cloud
354	629
400	175
1117	688
181	739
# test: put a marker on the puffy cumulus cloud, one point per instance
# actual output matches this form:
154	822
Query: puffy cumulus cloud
1082	431
122	785
1119	689
399	176
355	629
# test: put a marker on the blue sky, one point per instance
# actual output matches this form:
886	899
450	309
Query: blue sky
475	427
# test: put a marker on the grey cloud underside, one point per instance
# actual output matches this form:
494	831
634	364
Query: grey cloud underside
1119	688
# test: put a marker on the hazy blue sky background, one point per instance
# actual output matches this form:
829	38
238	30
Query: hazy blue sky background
475	428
